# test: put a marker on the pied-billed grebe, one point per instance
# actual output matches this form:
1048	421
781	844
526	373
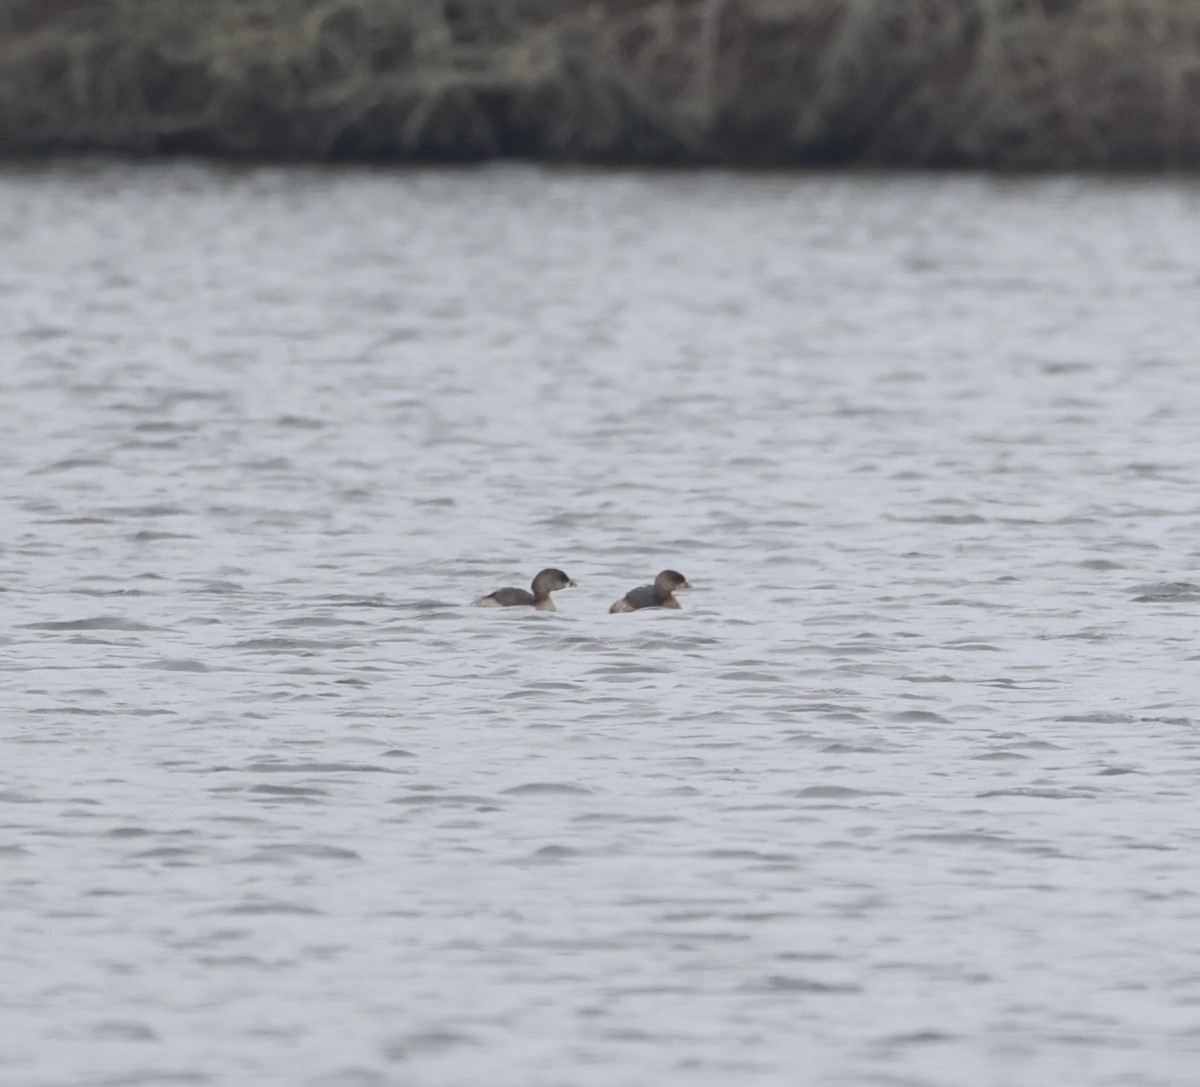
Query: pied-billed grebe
658	595
546	582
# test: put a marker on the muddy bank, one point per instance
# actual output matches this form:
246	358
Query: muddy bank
991	83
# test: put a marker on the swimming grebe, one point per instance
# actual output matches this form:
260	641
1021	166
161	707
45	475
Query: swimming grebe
546	582
658	595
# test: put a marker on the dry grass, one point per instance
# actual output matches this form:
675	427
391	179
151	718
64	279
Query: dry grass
1012	83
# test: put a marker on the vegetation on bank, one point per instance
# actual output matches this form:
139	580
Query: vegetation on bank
997	83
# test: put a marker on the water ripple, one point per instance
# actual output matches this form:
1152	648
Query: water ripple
903	793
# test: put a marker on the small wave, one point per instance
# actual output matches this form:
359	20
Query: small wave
1164	591
99	622
148	536
1100	717
155	509
1043	794
923	716
312	768
781	982
267	908
547	788
289	792
453	800
554	853
178	666
307	850
829	792
270	644
67	465
166	853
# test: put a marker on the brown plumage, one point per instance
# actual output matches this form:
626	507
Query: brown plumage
546	582
658	595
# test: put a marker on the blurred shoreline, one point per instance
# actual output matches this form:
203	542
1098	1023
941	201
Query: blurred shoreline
992	84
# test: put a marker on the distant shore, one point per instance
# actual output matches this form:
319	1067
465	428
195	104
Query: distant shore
997	84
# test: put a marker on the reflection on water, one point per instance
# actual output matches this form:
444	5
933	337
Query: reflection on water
903	795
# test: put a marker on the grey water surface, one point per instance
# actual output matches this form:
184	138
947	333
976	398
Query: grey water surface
905	795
